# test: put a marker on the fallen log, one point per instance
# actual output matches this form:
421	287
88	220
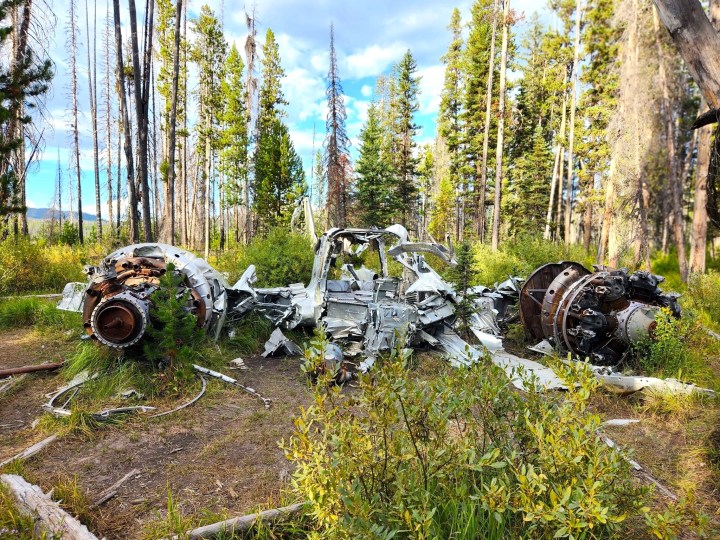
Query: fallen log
30	369
32	501
31	451
244	523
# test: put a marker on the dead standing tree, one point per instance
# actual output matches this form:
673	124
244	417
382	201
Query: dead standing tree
336	145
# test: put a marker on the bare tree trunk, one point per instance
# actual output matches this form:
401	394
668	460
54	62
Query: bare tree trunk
141	117
208	183
571	136
92	81
553	187
108	115
170	199
482	188
501	129
127	131
607	214
250	87
76	137
698	245
674	181
558	210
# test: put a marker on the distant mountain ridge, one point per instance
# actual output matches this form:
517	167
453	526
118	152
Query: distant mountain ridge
46	214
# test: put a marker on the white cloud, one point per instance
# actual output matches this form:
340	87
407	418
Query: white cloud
431	85
373	60
366	90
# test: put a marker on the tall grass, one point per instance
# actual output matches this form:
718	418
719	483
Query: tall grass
42	313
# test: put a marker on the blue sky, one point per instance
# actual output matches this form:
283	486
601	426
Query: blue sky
370	36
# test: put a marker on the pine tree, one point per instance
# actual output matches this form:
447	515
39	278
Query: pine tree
449	125
208	52
24	79
479	98
336	145
442	213
279	176
234	139
407	88
374	185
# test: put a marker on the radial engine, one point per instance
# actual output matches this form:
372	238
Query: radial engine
596	315
116	303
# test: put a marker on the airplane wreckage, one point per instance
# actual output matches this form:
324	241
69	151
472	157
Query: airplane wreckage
591	315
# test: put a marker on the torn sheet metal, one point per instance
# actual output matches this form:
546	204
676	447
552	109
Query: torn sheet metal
628	384
73	297
279	344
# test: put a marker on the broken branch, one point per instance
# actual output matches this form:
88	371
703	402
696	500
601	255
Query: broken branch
30	369
28	452
244	523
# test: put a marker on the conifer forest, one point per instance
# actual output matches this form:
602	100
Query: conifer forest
533	351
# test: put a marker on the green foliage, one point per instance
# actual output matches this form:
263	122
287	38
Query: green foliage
249	334
463	276
34	266
22	78
13	524
406	104
234	139
521	256
280	258
173	523
25	312
703	295
675	348
279	176
458	456
441	217
174	334
375	183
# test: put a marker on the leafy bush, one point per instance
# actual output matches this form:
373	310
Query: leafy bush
280	258
34	266
520	256
677	348
703	295
459	456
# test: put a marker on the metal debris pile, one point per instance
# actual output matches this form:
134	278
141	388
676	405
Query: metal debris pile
371	289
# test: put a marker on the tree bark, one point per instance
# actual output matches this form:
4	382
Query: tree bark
32	501
170	200
698	245
697	41
571	135
482	188
108	133
141	117
675	182
127	131
76	137
92	81
501	130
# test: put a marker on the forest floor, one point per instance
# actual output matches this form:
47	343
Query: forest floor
221	457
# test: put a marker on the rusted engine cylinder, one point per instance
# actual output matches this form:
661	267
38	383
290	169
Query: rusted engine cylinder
117	301
596	315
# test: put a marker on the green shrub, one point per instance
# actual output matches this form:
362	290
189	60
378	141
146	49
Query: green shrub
520	256
280	258
35	266
703	296
677	348
458	456
21	312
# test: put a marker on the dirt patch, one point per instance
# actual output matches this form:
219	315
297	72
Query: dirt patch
219	456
